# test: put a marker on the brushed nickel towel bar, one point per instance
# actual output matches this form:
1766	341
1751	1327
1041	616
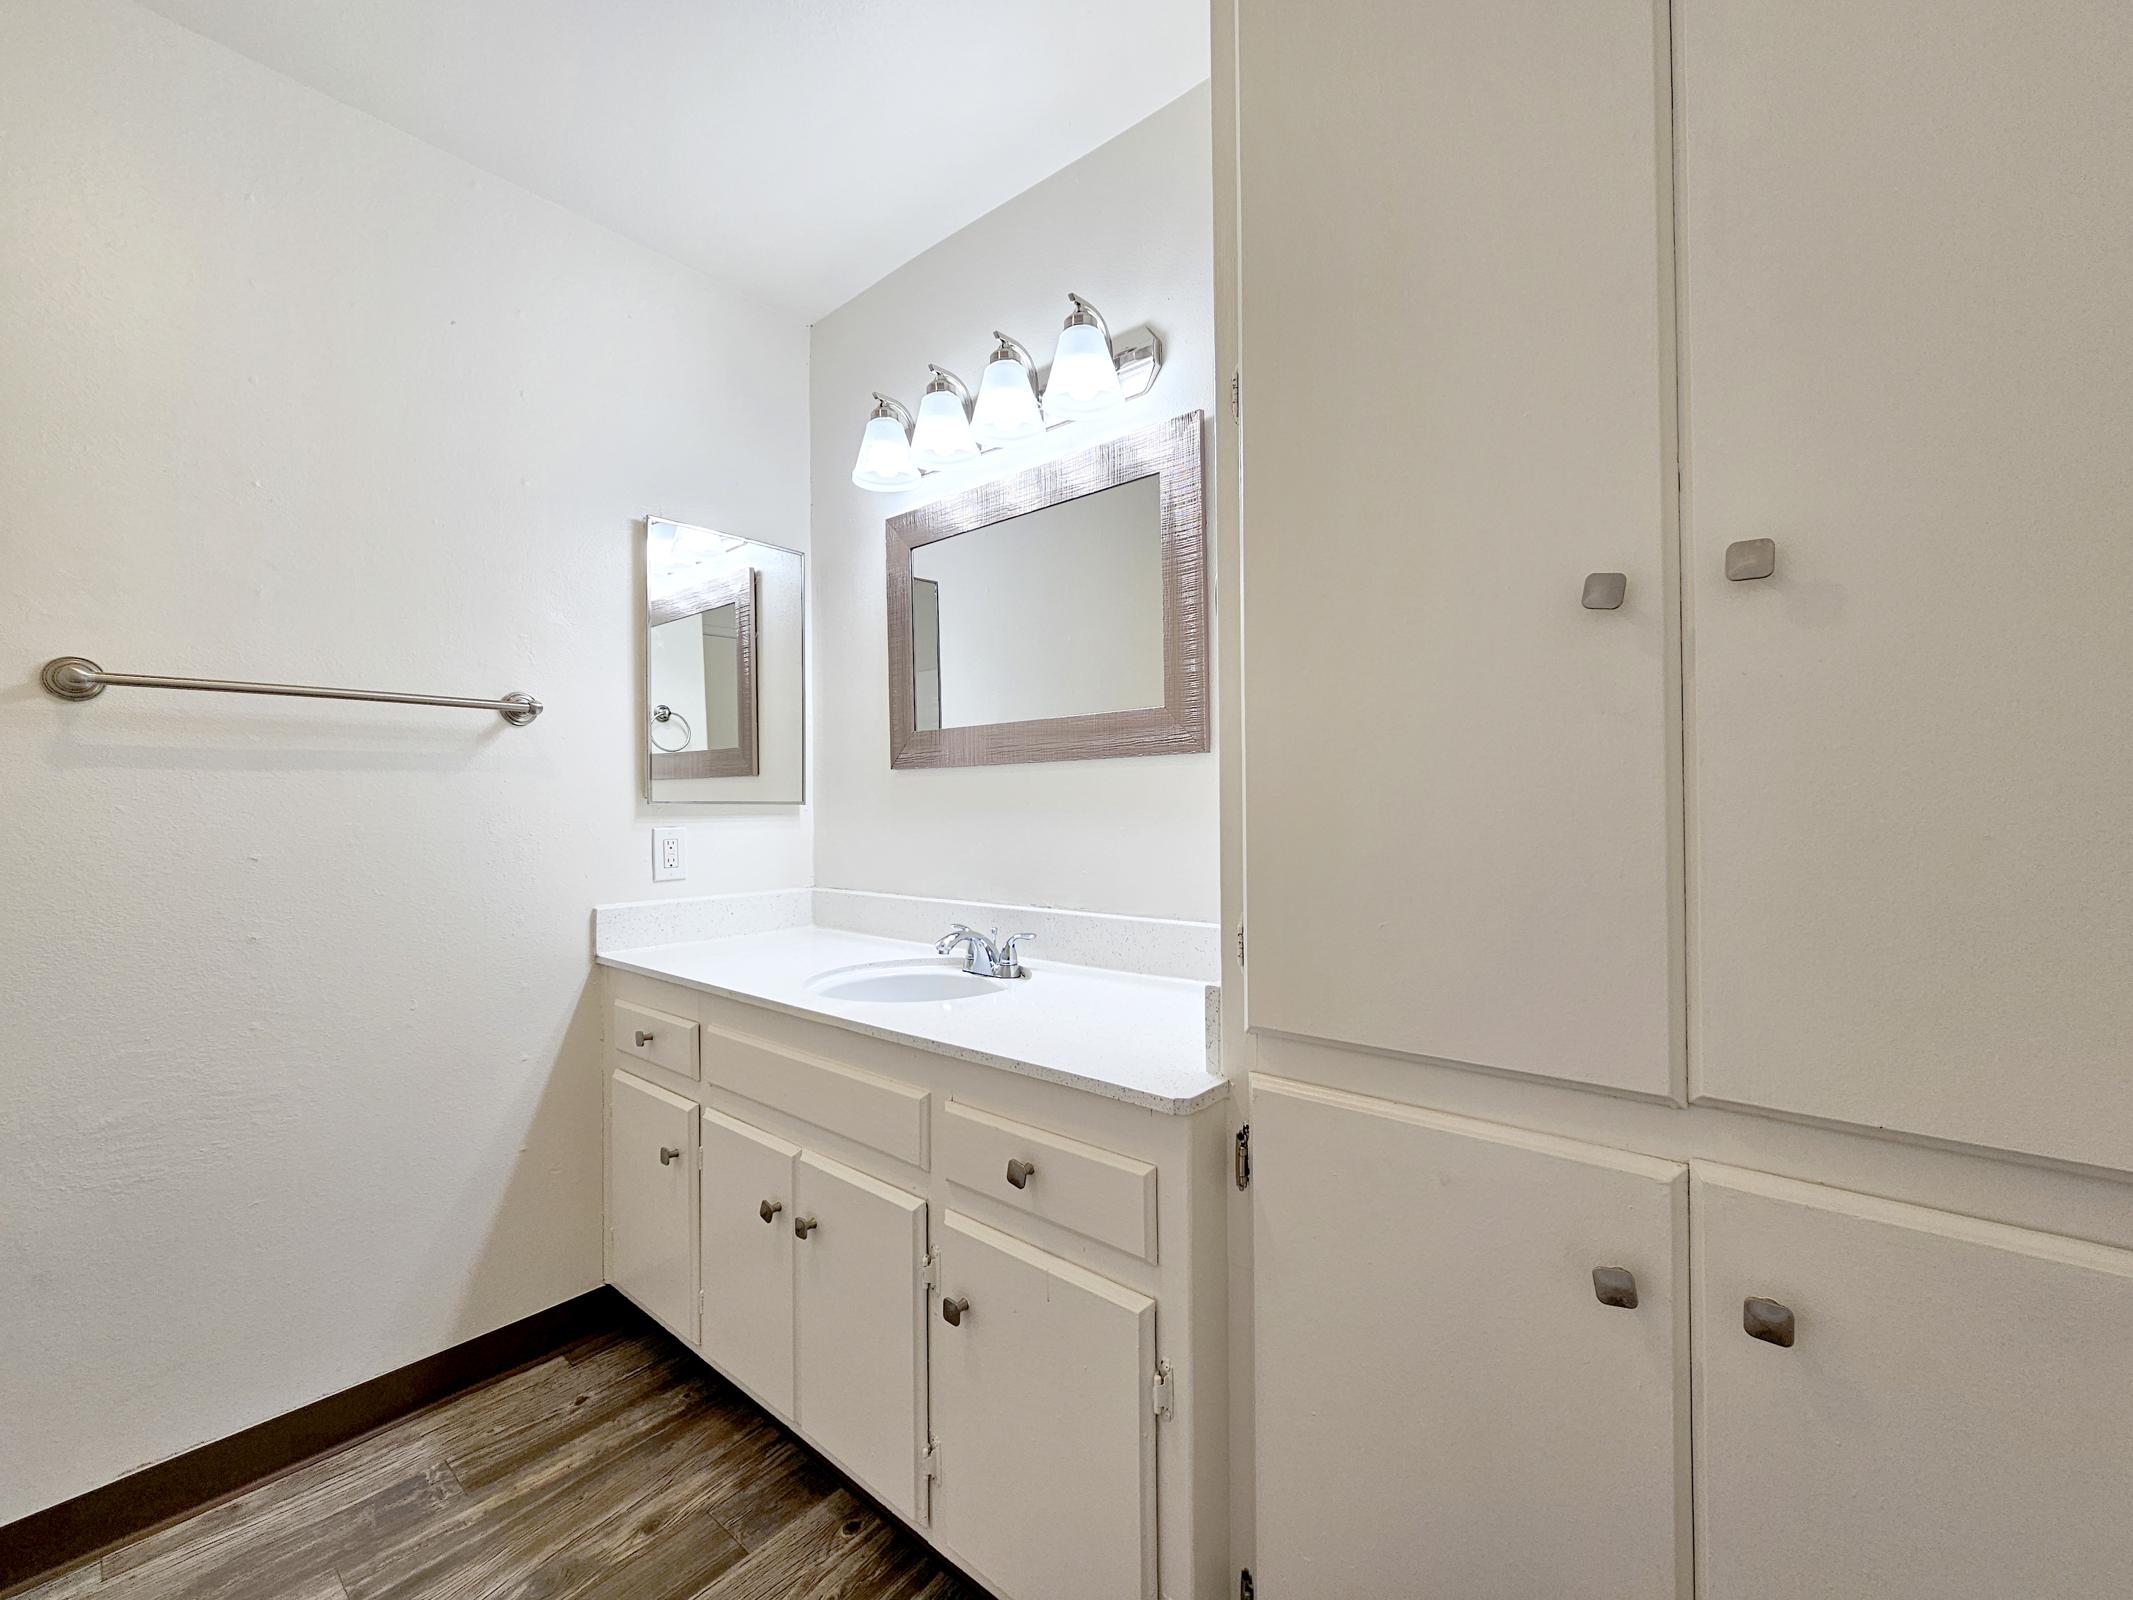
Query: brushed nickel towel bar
78	678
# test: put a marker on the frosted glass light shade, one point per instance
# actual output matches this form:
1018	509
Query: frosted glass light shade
884	457
1006	411
1084	380
943	437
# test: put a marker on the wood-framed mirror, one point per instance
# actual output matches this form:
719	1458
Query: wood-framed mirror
1058	614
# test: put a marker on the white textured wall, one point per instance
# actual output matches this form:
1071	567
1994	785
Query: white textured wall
1131	226
295	1051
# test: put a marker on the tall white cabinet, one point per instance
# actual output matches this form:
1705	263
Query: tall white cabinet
1769	934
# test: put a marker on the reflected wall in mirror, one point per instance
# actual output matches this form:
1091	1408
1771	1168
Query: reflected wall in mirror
723	652
1059	614
700	662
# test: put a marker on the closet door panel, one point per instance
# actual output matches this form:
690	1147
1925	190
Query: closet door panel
1949	1423
1445	1406
1458	381
1909	355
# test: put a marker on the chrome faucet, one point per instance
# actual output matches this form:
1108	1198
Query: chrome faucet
986	958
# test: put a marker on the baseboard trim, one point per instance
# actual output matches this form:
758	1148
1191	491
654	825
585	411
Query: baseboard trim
59	1536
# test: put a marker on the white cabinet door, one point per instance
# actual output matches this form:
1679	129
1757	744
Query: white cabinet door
1456	322
1949	1423
748	1245
651	1200
1445	1407
1043	1407
860	1303
1909	350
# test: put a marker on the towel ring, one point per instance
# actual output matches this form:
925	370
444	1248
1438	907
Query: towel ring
669	714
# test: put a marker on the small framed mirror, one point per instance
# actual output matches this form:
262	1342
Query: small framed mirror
1059	614
723	654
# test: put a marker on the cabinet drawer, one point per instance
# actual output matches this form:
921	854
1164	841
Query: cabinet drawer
1096	1192
655	1036
879	1113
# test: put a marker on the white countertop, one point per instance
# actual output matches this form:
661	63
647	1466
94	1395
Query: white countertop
1127	1037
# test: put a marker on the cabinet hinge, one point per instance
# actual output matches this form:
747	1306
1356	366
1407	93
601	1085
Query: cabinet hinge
1236	396
1244	1584
930	1265
932	1464
1162	1388
1244	1156
1240	944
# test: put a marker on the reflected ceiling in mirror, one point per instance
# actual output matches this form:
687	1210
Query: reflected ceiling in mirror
1058	614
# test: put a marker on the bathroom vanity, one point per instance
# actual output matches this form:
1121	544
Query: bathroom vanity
965	1235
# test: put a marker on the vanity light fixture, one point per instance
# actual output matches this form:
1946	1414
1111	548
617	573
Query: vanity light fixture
885	463
1084	379
1007	411
942	437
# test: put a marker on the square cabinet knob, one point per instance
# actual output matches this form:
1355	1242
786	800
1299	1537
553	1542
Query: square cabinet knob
1604	590
1749	559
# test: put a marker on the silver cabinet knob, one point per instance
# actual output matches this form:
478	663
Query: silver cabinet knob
643	1038
1768	1321
1749	559
1604	591
668	1155
1615	1286
952	1311
1019	1173
769	1209
803	1226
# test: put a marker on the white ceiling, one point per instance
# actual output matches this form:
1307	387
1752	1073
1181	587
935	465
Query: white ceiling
798	149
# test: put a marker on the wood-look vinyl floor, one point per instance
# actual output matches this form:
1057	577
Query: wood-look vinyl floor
621	1468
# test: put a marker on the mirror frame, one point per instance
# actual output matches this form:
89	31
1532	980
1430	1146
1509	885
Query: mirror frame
737	589
1181	723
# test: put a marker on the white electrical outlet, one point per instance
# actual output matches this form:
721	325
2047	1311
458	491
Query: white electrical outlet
670	855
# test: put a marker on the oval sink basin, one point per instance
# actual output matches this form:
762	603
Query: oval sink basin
902	983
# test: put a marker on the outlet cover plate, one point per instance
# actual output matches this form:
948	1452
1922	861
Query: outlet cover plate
670	855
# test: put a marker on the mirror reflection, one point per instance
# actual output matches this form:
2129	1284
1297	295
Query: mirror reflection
695	670
1055	613
722	650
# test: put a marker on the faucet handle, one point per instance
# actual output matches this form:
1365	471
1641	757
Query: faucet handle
1010	965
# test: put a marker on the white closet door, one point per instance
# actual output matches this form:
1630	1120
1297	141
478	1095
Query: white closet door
1950	1421
1445	1407
651	1199
1909	340
1042	1404
1461	785
748	1245
860	1300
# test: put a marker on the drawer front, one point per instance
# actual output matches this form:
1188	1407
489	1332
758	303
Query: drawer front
659	1037
879	1113
1095	1192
